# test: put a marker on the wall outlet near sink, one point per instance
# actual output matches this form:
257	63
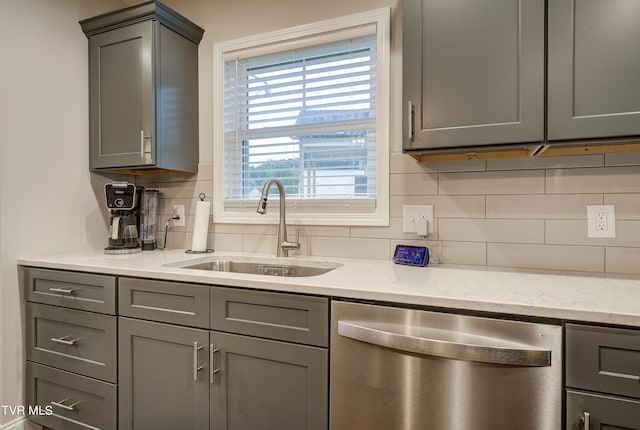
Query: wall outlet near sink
417	219
601	221
178	210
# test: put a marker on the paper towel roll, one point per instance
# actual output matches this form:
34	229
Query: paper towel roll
200	226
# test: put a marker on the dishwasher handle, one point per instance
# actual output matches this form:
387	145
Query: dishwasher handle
447	349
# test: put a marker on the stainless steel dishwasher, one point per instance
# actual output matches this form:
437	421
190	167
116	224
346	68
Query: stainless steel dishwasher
403	369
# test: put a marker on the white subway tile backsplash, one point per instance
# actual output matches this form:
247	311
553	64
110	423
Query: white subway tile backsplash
493	182
413	184
491	230
473	253
600	180
511	213
227	242
443	206
627	205
623	159
548	257
541	206
623	260
378	249
568	232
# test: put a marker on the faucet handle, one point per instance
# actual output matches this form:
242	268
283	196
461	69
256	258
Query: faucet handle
292	245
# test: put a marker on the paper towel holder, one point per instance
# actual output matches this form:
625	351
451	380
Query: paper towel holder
201	196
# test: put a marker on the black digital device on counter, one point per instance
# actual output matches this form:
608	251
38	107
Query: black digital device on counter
411	255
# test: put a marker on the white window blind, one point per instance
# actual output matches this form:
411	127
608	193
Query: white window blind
306	116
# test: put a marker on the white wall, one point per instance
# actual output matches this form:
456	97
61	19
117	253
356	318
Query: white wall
48	199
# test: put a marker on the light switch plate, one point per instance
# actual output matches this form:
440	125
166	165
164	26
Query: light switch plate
601	221
417	219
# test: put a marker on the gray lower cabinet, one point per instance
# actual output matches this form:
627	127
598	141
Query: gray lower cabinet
602	375
263	366
164	380
593	69
71	349
268	385
473	72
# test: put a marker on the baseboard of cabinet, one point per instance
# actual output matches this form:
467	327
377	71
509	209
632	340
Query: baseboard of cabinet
20	424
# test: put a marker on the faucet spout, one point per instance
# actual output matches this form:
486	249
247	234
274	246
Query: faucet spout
283	244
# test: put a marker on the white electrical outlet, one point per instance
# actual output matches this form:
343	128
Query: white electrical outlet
417	219
179	211
601	221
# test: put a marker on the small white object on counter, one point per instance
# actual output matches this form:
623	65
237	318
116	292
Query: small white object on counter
201	226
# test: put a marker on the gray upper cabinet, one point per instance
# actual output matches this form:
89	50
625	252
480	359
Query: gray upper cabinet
143	90
594	69
473	72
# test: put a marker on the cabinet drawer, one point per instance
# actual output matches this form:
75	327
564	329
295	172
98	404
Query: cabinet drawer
603	359
605	412
171	302
86	291
77	402
72	340
287	317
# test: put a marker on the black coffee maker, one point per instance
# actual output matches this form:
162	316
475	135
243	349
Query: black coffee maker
123	202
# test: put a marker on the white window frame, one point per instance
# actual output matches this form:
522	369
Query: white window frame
262	44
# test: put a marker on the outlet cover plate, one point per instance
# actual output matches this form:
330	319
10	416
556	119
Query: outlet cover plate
601	221
179	210
413	215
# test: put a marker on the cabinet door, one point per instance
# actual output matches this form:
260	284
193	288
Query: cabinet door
473	72
268	385
163	376
121	97
604	412
594	69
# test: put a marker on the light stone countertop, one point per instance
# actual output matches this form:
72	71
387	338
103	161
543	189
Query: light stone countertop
575	298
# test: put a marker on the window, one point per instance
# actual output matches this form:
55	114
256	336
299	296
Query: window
308	106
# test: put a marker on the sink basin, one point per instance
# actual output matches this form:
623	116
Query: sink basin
259	266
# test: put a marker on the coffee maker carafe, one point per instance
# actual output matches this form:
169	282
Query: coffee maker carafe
123	202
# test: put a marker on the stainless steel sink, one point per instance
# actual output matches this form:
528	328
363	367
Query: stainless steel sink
259	266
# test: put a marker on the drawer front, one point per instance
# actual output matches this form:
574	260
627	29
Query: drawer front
603	359
171	302
605	412
72	340
76	402
86	291
287	317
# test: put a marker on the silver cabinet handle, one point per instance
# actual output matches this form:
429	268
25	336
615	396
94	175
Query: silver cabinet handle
524	356
212	362
61	405
196	368
142	138
64	340
62	290
586	419
410	115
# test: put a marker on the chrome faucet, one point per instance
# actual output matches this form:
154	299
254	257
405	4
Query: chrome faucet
283	245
